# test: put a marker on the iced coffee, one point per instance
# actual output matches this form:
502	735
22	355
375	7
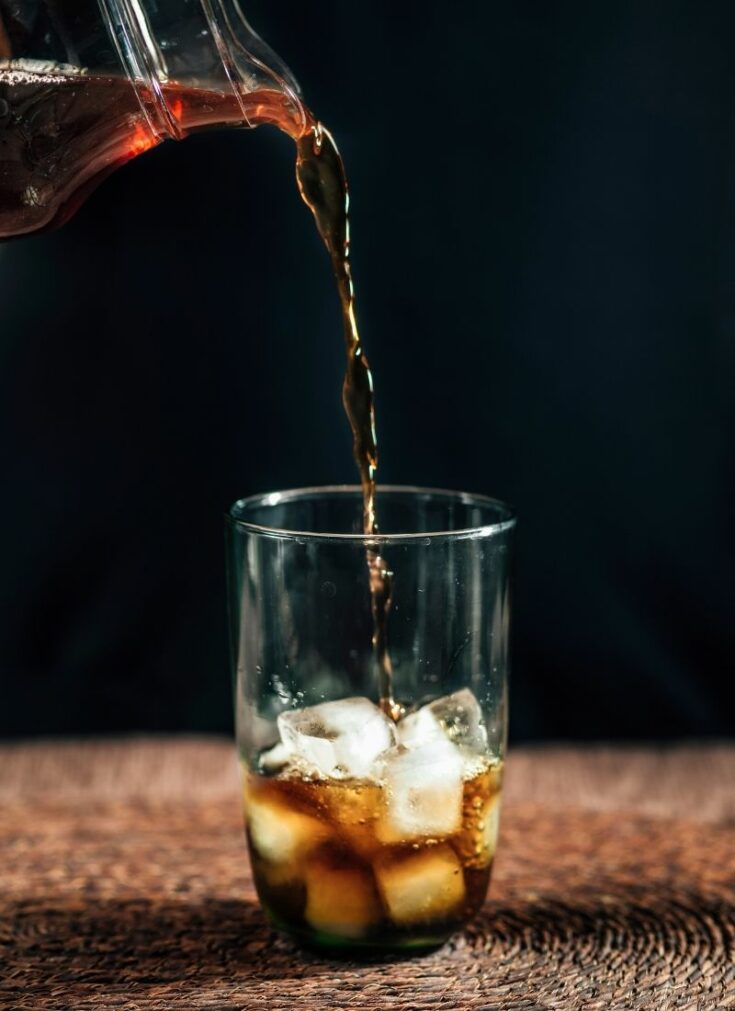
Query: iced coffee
368	832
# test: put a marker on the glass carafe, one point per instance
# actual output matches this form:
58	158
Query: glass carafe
86	85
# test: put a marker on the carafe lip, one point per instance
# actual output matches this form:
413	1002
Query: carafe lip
238	43
238	46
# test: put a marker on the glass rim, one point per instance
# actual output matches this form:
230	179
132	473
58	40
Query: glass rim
273	498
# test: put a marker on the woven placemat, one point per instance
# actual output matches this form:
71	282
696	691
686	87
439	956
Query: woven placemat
694	780
145	902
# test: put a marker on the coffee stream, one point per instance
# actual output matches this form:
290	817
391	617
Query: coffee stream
62	134
322	182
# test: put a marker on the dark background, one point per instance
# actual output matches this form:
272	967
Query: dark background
544	245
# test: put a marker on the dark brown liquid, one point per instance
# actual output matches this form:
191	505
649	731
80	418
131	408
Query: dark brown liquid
60	136
326	860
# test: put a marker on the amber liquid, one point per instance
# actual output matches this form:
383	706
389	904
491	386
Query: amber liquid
60	136
328	866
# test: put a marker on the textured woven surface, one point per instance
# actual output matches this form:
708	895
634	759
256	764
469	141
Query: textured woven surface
123	884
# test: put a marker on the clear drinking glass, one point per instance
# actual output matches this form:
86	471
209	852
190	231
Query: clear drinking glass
363	832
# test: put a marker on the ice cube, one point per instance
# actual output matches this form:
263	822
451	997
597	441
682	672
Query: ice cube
490	823
280	835
338	740
420	886
457	717
289	873
340	898
275	759
423	790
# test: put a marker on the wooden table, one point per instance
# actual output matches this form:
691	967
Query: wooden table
124	884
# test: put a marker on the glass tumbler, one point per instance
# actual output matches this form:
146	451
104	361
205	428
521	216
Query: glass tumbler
366	831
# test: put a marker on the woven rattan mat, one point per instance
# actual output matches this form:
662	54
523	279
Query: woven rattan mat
123	884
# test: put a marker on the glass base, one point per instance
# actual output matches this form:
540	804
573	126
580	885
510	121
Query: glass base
339	946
